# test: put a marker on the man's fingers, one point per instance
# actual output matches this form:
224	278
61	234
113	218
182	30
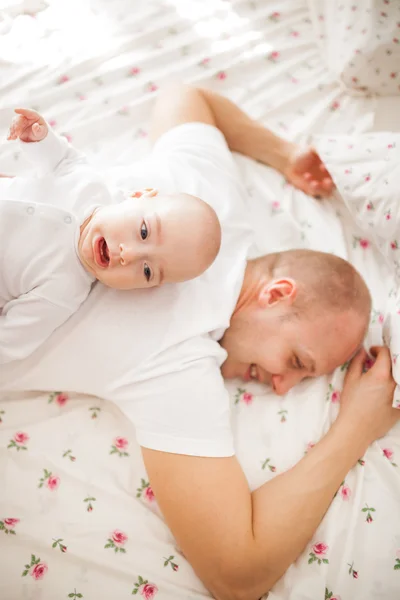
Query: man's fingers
355	369
307	176
383	361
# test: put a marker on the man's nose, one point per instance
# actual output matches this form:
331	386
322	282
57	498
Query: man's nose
284	383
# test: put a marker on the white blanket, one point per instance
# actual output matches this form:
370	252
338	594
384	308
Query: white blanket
78	518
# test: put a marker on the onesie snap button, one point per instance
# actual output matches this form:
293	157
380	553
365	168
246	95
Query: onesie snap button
30	210
67	220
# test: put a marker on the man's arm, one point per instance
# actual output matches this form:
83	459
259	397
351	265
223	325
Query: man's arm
241	543
301	166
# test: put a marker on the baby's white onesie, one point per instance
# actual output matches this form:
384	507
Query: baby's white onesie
42	281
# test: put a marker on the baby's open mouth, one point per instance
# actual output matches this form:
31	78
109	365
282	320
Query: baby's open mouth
101	253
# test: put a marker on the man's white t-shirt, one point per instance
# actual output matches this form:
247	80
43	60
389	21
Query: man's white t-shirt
155	352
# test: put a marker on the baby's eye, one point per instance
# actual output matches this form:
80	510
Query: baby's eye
147	272
143	231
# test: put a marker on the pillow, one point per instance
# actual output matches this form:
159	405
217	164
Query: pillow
361	42
366	171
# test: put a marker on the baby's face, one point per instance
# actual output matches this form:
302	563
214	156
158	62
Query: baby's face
144	242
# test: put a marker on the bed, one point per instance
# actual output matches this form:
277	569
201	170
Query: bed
78	518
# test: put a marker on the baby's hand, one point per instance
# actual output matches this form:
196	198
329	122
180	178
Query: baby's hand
306	171
28	126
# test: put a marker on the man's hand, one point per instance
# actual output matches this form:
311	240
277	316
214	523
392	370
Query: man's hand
366	400
28	126
306	171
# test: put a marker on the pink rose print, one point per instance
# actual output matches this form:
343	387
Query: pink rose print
20	437
318	552
329	595
149	494
19	441
7	525
335	396
368	510
36	568
221	75
123	111
393	75
362	242
89	500
370	206
146	490
51	481
134	71
119	446
10	523
68	454
275	16
205	62
395	40
274	56
309	446
95	410
388	452
320	549
52	122
345	492
39	571
332	394
63	79
63	547
394	245
294	33
266	463
247	397
361	462
61	399
121	443
388	215
335	105
151	87
283	414
352	571
168	561
117	540
148	590
367	178
241	394
142	586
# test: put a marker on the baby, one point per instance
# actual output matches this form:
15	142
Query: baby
62	231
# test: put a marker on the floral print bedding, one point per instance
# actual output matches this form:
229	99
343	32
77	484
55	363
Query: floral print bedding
78	517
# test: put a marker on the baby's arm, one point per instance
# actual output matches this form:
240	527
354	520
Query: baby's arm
26	323
49	151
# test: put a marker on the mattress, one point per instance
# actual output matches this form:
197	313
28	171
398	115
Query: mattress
78	518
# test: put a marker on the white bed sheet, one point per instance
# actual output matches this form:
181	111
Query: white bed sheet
86	522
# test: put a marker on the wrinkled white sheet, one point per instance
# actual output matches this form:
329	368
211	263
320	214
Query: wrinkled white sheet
86	522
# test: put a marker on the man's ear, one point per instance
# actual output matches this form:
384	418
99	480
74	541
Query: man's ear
277	290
